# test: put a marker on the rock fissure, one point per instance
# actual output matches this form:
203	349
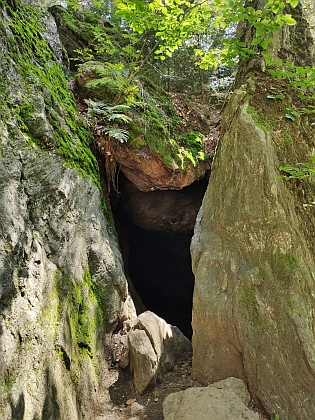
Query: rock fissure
155	230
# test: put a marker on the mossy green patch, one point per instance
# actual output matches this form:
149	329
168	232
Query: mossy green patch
84	29
154	124
247	297
76	319
288	140
281	267
79	302
261	121
266	293
41	74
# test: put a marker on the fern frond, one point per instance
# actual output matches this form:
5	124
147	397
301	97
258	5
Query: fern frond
117	133
120	117
111	113
119	108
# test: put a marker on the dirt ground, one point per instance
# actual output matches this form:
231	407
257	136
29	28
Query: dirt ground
122	394
115	404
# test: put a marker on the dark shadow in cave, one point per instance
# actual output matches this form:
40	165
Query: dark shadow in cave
155	230
160	269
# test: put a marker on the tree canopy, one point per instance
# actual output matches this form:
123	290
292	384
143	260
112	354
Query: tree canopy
174	22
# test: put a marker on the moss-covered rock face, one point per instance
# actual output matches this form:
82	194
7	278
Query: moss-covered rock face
76	34
253	258
154	126
154	123
61	278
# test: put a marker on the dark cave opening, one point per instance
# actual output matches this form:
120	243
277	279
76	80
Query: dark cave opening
160	269
155	230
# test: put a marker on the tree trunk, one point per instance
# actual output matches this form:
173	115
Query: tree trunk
292	43
253	251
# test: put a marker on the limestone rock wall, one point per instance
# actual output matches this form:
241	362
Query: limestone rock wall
61	280
253	260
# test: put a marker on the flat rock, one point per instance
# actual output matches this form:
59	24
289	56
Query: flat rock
235	385
217	401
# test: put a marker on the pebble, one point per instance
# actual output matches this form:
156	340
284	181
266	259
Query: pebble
135	408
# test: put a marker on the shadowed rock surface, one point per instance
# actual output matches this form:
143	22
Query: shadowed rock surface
154	347
61	279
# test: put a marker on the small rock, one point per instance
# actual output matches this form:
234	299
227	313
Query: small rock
130	401
135	408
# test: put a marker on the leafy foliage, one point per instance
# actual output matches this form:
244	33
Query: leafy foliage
301	79
175	21
117	133
106	113
190	148
301	171
110	113
162	29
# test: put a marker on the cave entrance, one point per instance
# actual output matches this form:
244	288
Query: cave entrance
155	230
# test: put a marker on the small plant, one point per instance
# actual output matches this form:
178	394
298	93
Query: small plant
301	171
291	114
106	113
276	93
117	133
190	148
301	78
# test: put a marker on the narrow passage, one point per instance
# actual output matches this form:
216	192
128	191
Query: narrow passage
155	229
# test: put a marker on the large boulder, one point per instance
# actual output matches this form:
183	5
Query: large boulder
227	399
149	173
253	259
154	347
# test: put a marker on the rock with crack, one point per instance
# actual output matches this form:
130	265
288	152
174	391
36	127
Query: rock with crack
154	346
227	399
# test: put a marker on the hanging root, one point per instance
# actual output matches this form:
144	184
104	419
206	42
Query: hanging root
107	148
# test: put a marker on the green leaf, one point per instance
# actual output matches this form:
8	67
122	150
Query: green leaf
266	42
293	3
289	20
117	133
256	41
289	117
120	117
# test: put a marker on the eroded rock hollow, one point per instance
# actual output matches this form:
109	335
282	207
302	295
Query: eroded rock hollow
155	230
